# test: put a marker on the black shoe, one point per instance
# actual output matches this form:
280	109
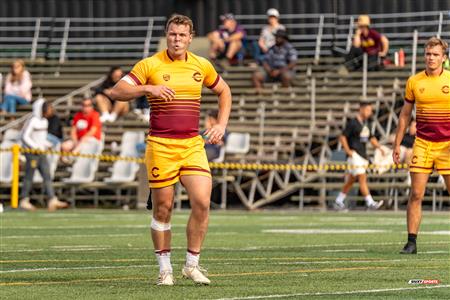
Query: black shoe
410	248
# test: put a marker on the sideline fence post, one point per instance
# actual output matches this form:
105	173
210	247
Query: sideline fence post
15	176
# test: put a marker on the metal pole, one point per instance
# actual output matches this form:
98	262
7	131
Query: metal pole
34	44
414	54
15	176
148	38
62	53
313	102
261	128
364	84
319	40
441	19
350	34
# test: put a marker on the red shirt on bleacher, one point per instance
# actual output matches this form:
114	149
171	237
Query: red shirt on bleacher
84	122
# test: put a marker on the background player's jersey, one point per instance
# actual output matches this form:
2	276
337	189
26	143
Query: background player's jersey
180	117
431	95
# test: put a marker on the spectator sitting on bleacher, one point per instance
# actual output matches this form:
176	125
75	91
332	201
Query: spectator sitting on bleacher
354	138
17	87
267	37
367	40
55	129
34	136
213	150
86	127
226	41
110	109
278	63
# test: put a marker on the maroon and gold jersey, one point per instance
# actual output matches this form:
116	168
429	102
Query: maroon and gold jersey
431	95
180	117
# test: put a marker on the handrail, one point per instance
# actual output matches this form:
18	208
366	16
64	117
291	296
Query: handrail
58	101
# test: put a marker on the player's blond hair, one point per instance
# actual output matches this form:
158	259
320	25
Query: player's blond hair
434	41
180	20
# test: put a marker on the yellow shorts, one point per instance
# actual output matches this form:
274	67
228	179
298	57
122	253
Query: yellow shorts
428	155
167	159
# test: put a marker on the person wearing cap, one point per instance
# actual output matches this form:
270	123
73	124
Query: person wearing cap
226	41
278	63
367	40
267	36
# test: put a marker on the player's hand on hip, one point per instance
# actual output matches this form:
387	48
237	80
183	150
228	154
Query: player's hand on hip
162	91
396	154
215	134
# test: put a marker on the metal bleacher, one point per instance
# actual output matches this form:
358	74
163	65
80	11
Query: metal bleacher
297	125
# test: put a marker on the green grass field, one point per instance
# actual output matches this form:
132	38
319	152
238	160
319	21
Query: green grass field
104	254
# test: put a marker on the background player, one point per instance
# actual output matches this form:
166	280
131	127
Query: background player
354	139
429	90
173	81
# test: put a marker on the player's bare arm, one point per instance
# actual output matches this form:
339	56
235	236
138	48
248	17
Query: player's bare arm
123	91
344	143
403	121
215	133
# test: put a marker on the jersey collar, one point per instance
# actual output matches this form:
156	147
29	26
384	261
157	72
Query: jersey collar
442	71
168	55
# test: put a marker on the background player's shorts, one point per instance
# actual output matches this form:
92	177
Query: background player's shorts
167	159
357	164
427	155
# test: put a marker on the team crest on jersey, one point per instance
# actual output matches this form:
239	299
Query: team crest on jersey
197	76
421	90
166	77
445	89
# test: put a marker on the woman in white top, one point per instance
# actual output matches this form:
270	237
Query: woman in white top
17	87
267	37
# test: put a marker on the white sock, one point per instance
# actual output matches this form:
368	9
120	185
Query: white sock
163	257
105	116
113	117
369	200
341	197
192	258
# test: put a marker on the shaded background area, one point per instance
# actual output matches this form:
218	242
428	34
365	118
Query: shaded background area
205	12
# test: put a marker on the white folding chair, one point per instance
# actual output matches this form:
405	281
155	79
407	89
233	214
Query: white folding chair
125	171
237	143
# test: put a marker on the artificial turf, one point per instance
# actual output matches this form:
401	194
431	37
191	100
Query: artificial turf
107	254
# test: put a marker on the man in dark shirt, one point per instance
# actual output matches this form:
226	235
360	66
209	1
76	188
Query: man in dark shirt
55	131
367	40
278	63
354	139
226	41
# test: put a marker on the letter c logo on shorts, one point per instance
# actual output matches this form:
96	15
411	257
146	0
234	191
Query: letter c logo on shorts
154	174
414	160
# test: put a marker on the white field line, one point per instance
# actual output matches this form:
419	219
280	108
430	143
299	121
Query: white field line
68	236
252	248
374	291
325	231
345	250
220	261
72	268
436	232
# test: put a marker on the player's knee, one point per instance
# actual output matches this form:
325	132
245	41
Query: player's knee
201	208
160	226
416	195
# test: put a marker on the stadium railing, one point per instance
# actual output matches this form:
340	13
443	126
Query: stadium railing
79	38
316	35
